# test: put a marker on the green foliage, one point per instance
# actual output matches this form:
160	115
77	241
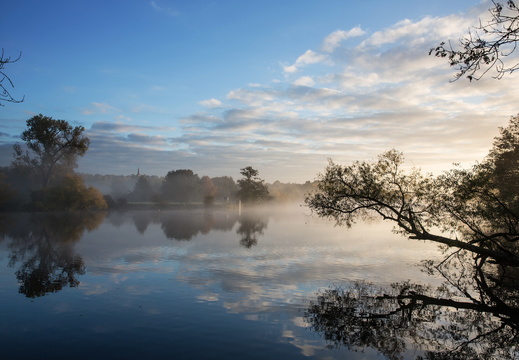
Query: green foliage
70	194
251	188
52	148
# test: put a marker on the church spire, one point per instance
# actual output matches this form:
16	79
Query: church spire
138	171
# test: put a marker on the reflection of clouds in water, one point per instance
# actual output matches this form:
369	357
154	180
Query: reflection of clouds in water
292	258
307	347
295	256
208	297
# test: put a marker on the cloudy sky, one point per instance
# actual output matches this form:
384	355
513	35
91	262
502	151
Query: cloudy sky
282	86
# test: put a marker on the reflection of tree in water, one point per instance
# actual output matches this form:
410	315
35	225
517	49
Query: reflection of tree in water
251	226
184	225
43	243
141	220
468	317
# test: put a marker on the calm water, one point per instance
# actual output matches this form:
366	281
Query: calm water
192	284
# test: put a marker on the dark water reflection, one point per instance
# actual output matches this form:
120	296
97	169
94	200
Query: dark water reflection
203	284
467	317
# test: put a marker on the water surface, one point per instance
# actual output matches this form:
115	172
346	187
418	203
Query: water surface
191	284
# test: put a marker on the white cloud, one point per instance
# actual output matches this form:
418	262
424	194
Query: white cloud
309	57
332	41
211	103
304	81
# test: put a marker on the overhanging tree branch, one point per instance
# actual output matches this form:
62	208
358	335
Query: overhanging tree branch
5	81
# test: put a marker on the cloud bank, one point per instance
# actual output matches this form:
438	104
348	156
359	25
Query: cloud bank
357	94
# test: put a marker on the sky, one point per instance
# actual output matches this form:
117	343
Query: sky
282	86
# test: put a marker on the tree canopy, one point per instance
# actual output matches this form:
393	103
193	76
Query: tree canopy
486	46
180	185
475	209
52	147
251	189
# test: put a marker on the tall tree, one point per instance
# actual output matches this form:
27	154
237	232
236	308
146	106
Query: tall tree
251	188
52	147
486	45
5	80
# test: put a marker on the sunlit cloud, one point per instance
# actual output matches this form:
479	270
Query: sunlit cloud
332	41
211	103
309	57
304	81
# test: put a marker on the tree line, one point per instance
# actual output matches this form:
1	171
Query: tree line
42	177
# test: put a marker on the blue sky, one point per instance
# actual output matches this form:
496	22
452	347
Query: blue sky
282	86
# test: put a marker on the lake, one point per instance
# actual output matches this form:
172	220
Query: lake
199	284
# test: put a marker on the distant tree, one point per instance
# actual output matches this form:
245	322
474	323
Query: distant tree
142	190
5	80
226	188
251	188
52	148
180	186
70	194
486	46
208	190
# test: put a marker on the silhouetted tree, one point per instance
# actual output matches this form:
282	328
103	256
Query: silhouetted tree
486	46
52	148
5	81
251	188
466	205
